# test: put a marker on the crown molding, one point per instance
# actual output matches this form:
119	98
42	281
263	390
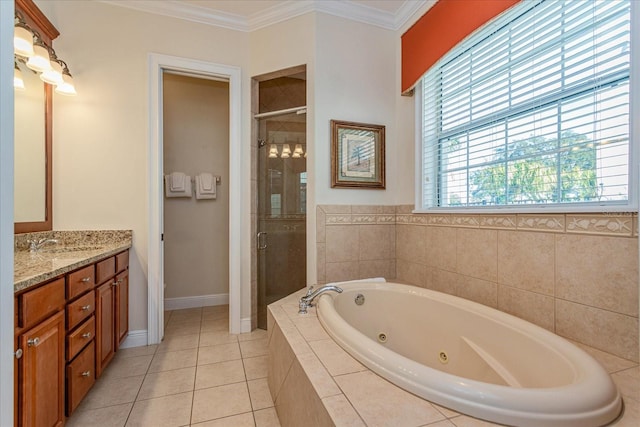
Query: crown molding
281	12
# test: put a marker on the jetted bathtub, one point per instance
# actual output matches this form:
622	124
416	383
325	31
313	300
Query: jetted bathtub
469	357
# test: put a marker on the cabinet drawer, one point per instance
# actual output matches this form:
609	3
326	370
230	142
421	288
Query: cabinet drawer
39	303
122	261
105	270
79	338
80	377
80	309
80	281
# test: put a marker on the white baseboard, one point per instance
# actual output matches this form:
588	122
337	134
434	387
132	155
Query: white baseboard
135	339
245	325
197	301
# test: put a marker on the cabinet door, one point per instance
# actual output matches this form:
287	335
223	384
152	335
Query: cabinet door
41	374
122	307
105	324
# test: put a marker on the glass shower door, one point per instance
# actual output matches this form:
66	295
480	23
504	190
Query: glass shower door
282	207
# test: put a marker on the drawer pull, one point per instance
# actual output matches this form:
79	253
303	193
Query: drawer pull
86	279
86	307
32	342
86	335
86	373
115	283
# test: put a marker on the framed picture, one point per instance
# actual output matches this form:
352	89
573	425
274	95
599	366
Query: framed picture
357	155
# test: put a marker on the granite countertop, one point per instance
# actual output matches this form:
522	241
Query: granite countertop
74	250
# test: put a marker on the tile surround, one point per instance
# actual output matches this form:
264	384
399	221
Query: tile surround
527	265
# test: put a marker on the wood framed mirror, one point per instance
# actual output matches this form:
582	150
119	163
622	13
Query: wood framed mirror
33	136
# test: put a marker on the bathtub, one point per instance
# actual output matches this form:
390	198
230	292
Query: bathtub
469	357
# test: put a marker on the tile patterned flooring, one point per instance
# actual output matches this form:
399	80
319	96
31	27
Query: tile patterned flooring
200	375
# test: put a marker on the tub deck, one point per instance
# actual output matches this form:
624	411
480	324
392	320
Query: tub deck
315	382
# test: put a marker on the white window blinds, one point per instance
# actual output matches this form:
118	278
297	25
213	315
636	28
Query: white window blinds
532	109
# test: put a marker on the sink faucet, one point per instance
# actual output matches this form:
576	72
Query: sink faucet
35	245
307	300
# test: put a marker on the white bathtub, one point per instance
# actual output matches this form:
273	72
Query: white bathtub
469	357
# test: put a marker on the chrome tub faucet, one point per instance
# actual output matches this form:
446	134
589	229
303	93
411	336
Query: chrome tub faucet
307	300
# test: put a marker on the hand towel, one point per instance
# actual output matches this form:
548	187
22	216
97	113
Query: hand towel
186	185
205	186
177	181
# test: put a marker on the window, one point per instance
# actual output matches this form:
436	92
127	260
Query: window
532	110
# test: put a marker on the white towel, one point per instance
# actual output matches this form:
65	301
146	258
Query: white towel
186	192
177	181
205	186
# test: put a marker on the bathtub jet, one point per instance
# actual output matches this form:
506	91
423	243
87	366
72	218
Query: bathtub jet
469	357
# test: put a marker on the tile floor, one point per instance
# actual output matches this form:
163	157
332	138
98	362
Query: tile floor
200	375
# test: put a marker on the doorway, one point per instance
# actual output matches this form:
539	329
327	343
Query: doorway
281	188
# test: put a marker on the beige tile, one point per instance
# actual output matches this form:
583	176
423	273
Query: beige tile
254	348
218	353
178	342
598	271
380	268
242	420
144	350
411	273
411	242
298	403
169	411
551	223
259	394
444	423
441	248
532	307
321	262
214	316
607	224
182	328
466	421
111	391
321	218
174	360
266	418
317	374
341	271
480	291
336	209
334	358
631	416
381	403
166	383
610	362
341	411
604	330
377	242
498	221
186	314
342	243
476	253
216	338
311	329
449	413
444	281
213	309
111	416
256	334
127	366
216	374
219	402
215	325
628	381
256	367
526	261
279	361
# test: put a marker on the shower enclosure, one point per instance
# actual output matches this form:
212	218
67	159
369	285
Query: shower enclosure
282	191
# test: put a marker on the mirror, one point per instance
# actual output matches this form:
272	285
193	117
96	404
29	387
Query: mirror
33	137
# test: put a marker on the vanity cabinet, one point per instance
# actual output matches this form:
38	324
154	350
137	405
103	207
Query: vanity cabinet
66	332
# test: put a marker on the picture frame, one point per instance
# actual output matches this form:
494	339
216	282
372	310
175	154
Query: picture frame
357	155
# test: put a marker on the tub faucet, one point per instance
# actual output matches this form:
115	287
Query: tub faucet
307	300
35	245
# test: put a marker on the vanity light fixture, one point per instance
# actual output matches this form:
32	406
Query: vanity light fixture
18	81
273	151
28	47
286	151
297	152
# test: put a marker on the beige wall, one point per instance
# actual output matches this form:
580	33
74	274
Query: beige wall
196	232
576	275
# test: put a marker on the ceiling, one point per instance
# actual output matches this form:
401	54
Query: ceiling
250	15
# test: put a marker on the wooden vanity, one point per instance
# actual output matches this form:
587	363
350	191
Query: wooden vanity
68	325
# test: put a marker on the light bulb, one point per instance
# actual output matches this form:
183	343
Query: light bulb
66	87
54	75
40	61
22	41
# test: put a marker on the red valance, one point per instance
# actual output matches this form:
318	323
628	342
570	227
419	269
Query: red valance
446	24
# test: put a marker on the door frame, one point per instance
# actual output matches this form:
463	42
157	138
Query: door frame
159	63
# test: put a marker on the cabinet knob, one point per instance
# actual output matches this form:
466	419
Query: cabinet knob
18	353
115	283
86	279
86	373
87	335
86	307
120	281
32	342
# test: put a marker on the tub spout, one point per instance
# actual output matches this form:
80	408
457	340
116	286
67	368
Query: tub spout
307	300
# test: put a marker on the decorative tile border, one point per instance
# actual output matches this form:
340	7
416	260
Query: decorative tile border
605	224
